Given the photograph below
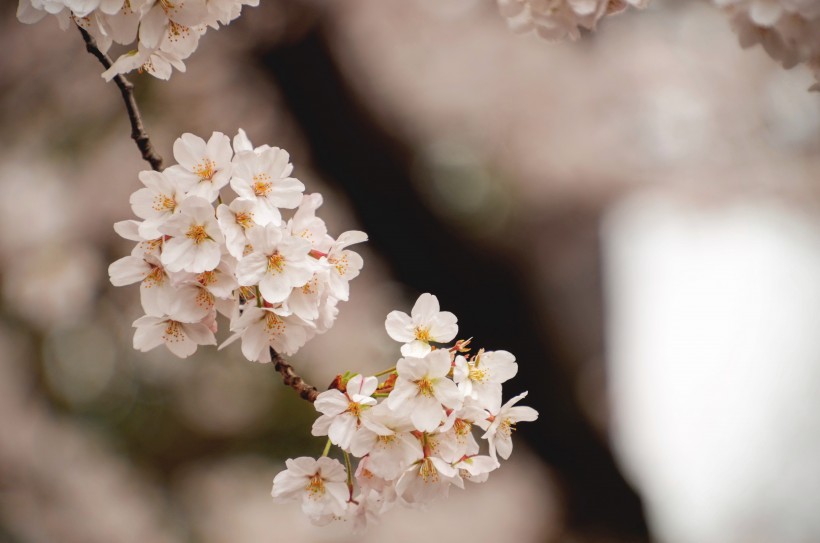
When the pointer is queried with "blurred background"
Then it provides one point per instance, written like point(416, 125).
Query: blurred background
point(632, 215)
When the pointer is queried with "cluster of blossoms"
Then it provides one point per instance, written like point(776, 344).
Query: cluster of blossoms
point(561, 19)
point(277, 280)
point(166, 32)
point(789, 30)
point(412, 432)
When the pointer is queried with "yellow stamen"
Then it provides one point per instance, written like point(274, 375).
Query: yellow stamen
point(163, 202)
point(197, 233)
point(205, 169)
point(425, 386)
point(428, 472)
point(276, 263)
point(316, 487)
point(422, 334)
point(244, 219)
point(262, 184)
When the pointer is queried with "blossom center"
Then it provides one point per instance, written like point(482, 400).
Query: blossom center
point(384, 440)
point(173, 332)
point(155, 277)
point(206, 278)
point(205, 169)
point(262, 184)
point(355, 409)
point(507, 427)
point(276, 263)
point(476, 374)
point(274, 324)
point(197, 233)
point(422, 333)
point(462, 427)
point(176, 32)
point(425, 386)
point(428, 472)
point(340, 263)
point(316, 487)
point(244, 219)
point(311, 287)
point(164, 203)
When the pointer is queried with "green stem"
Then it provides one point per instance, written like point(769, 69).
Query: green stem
point(258, 297)
point(349, 467)
point(385, 372)
point(327, 447)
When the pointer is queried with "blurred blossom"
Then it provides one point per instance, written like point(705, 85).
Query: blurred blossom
point(224, 502)
point(54, 284)
point(460, 188)
point(36, 209)
point(791, 115)
point(224, 396)
point(80, 363)
point(713, 312)
point(60, 482)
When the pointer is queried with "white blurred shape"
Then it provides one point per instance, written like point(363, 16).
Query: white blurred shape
point(79, 364)
point(35, 209)
point(54, 284)
point(714, 359)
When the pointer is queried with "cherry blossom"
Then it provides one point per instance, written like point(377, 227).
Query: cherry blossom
point(181, 338)
point(425, 324)
point(499, 431)
point(195, 244)
point(321, 485)
point(342, 412)
point(423, 390)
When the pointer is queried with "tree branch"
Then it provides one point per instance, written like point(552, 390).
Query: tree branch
point(127, 89)
point(292, 379)
point(289, 376)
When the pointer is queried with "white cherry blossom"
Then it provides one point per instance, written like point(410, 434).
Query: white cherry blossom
point(321, 486)
point(235, 220)
point(205, 166)
point(423, 390)
point(157, 201)
point(277, 264)
point(195, 244)
point(480, 378)
point(499, 430)
point(181, 338)
point(344, 264)
point(425, 324)
point(262, 328)
point(427, 480)
point(264, 178)
point(342, 412)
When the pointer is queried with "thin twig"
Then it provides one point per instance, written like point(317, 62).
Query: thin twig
point(292, 379)
point(127, 89)
point(289, 376)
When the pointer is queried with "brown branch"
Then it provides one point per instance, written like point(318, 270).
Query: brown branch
point(127, 89)
point(292, 379)
point(289, 376)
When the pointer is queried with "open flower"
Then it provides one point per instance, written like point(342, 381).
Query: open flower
point(196, 240)
point(278, 263)
point(320, 484)
point(342, 411)
point(181, 338)
point(423, 390)
point(500, 428)
point(205, 166)
point(425, 324)
point(480, 378)
point(263, 177)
